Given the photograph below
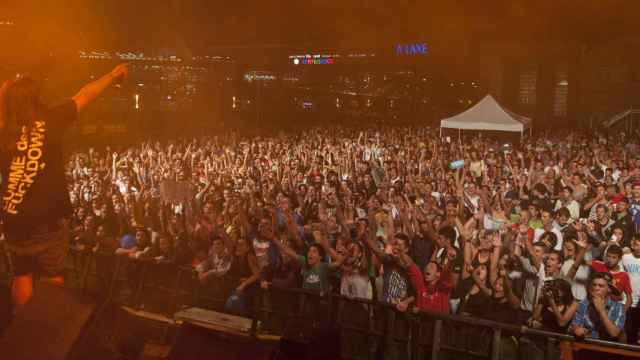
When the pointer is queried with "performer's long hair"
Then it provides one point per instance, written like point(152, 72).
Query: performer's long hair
point(20, 105)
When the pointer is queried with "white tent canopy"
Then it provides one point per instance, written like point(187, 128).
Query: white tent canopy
point(487, 115)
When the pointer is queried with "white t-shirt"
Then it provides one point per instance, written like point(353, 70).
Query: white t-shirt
point(631, 265)
point(579, 282)
point(122, 186)
point(356, 286)
point(261, 249)
point(367, 154)
point(573, 207)
point(476, 168)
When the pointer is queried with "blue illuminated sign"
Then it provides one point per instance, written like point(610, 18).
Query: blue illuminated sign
point(411, 49)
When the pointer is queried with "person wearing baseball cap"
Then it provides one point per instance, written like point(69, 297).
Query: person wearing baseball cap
point(599, 316)
point(612, 266)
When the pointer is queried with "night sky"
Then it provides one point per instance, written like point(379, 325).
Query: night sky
point(199, 24)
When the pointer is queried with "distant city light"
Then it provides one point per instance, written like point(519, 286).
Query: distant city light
point(360, 55)
point(259, 76)
point(141, 56)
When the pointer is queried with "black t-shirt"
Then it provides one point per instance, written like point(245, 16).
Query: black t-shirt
point(34, 185)
point(549, 321)
point(501, 311)
point(421, 250)
point(478, 304)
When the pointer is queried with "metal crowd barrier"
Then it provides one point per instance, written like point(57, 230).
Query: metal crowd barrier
point(360, 329)
point(427, 335)
point(136, 283)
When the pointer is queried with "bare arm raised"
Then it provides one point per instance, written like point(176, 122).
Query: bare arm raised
point(92, 90)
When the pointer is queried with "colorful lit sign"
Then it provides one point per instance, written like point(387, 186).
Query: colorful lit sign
point(411, 49)
point(297, 61)
point(315, 59)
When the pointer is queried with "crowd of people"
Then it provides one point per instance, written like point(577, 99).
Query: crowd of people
point(542, 233)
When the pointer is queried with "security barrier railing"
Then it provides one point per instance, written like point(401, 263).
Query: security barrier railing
point(357, 328)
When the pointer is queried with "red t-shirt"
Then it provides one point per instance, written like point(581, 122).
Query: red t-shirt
point(431, 298)
point(620, 278)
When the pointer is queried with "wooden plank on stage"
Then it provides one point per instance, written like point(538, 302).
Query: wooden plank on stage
point(215, 321)
point(149, 315)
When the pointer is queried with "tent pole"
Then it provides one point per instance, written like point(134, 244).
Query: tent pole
point(458, 135)
point(440, 132)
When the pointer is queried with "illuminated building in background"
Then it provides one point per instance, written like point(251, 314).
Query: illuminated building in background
point(165, 80)
point(360, 83)
point(561, 91)
point(527, 86)
point(138, 56)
